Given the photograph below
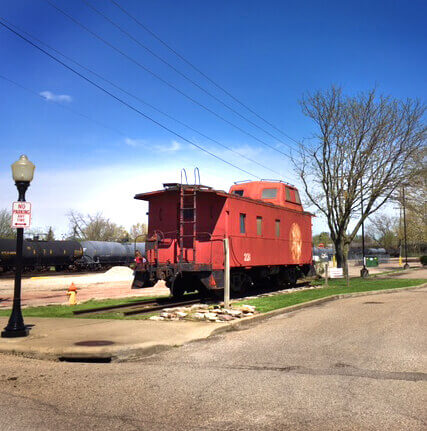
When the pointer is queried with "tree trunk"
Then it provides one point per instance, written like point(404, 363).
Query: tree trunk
point(341, 253)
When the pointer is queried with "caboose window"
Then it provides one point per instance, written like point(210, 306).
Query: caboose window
point(242, 223)
point(238, 192)
point(288, 194)
point(259, 225)
point(277, 228)
point(269, 194)
point(297, 198)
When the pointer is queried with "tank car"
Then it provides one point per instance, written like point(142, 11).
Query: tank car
point(269, 236)
point(98, 254)
point(39, 255)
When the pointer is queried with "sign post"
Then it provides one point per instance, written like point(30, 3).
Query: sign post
point(226, 274)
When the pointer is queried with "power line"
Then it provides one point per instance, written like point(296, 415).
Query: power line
point(162, 79)
point(140, 99)
point(200, 87)
point(11, 81)
point(124, 102)
point(198, 70)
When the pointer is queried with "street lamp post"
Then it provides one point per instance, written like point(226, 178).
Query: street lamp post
point(22, 172)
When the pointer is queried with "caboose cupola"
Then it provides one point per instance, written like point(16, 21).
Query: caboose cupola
point(271, 191)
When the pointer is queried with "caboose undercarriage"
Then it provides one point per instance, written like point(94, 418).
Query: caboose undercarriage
point(207, 281)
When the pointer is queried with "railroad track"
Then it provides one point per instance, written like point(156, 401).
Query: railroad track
point(142, 307)
point(152, 305)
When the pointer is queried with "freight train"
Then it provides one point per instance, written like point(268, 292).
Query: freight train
point(68, 255)
point(268, 231)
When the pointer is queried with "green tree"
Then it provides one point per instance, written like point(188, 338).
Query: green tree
point(50, 236)
point(6, 231)
point(138, 232)
point(322, 238)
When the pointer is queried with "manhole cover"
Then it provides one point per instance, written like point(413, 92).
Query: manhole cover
point(94, 343)
point(373, 302)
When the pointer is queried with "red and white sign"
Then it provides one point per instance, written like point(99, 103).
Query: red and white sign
point(21, 214)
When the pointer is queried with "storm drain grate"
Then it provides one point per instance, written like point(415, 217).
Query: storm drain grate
point(94, 343)
point(373, 302)
point(87, 360)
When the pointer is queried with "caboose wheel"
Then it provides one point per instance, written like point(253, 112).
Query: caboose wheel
point(240, 282)
point(178, 286)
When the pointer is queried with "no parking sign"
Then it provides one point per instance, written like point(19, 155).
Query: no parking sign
point(21, 214)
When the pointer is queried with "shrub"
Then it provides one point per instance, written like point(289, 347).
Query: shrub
point(423, 260)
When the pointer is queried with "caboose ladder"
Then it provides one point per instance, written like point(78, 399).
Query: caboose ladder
point(187, 216)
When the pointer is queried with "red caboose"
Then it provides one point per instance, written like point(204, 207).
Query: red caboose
point(269, 236)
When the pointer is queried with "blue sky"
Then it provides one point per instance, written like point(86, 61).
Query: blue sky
point(267, 54)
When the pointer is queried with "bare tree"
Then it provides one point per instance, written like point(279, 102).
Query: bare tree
point(95, 228)
point(362, 152)
point(6, 231)
point(384, 231)
point(138, 232)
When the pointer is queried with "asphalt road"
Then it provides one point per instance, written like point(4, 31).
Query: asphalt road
point(353, 364)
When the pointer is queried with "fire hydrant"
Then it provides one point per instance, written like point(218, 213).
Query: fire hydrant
point(72, 293)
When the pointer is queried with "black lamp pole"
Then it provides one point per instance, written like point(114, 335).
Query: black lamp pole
point(16, 327)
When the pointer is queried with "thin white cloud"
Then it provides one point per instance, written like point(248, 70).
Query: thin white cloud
point(172, 147)
point(134, 142)
point(52, 97)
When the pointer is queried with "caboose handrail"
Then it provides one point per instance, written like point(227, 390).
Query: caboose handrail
point(196, 175)
point(185, 174)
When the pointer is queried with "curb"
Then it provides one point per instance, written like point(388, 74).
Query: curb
point(247, 321)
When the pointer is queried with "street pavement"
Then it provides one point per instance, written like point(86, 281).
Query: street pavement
point(353, 364)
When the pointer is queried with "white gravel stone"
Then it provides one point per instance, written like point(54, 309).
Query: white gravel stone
point(234, 313)
point(181, 314)
point(247, 308)
point(157, 318)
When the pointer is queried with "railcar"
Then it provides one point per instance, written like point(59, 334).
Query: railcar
point(98, 254)
point(40, 254)
point(85, 255)
point(269, 236)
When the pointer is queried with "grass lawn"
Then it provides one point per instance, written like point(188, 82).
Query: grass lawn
point(67, 311)
point(336, 286)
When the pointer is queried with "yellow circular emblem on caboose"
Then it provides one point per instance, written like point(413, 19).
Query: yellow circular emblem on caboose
point(295, 242)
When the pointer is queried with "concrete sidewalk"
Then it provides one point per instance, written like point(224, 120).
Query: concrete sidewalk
point(101, 338)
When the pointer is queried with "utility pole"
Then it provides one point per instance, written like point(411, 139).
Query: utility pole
point(406, 266)
point(363, 272)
